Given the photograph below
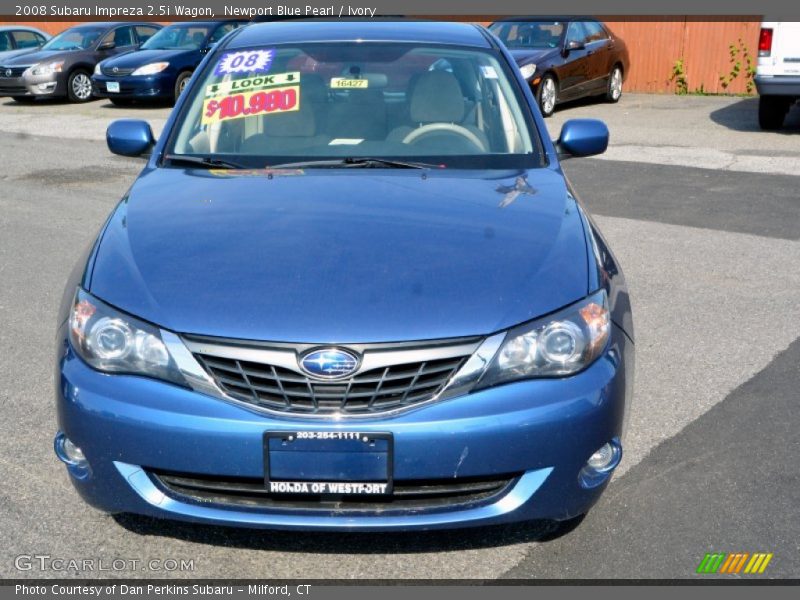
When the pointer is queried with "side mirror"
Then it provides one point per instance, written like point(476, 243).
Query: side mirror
point(209, 47)
point(582, 137)
point(573, 45)
point(106, 46)
point(129, 137)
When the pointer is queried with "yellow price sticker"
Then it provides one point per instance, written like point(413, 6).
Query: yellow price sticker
point(249, 104)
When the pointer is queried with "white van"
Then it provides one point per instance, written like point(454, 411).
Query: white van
point(778, 71)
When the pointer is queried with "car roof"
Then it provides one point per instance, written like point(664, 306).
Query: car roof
point(112, 24)
point(430, 32)
point(535, 18)
point(21, 28)
point(192, 23)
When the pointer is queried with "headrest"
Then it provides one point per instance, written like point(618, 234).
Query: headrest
point(436, 98)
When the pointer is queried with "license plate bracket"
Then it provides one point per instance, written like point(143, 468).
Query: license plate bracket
point(342, 463)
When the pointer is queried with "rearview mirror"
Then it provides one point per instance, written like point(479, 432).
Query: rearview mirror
point(129, 137)
point(582, 137)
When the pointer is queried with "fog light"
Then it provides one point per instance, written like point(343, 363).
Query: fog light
point(603, 458)
point(71, 455)
point(600, 464)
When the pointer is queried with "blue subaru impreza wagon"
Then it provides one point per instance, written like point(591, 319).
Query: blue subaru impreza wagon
point(351, 289)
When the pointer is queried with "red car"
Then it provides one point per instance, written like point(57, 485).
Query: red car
point(565, 58)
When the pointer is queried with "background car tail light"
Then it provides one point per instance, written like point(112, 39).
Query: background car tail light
point(765, 42)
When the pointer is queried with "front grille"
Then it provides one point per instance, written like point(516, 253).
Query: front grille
point(241, 492)
point(12, 89)
point(14, 72)
point(109, 72)
point(376, 390)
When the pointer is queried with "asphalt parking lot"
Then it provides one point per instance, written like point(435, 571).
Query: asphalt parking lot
point(703, 211)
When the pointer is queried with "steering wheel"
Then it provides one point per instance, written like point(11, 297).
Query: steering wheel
point(449, 127)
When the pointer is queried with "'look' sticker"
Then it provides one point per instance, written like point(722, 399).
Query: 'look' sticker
point(262, 102)
point(249, 61)
point(251, 84)
point(342, 83)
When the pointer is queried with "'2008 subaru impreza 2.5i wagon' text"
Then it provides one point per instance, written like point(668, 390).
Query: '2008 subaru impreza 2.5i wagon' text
point(351, 289)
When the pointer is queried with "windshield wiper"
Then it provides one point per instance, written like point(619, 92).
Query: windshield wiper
point(202, 161)
point(359, 163)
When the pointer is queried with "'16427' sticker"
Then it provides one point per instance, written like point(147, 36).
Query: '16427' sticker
point(250, 61)
point(263, 102)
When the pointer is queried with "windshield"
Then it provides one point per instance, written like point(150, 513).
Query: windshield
point(529, 34)
point(187, 37)
point(435, 104)
point(78, 38)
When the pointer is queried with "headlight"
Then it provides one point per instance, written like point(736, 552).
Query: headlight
point(527, 71)
point(47, 68)
point(114, 342)
point(151, 69)
point(561, 344)
point(97, 70)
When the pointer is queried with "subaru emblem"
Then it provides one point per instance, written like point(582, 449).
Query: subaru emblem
point(329, 363)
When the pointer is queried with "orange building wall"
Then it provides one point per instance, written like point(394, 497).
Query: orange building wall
point(654, 45)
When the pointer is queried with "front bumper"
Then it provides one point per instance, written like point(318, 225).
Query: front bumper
point(778, 85)
point(543, 431)
point(32, 86)
point(147, 87)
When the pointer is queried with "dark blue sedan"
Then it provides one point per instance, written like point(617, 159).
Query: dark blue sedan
point(162, 66)
point(351, 289)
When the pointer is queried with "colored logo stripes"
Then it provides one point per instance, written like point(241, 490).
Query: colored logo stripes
point(734, 563)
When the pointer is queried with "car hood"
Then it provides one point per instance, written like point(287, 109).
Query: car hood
point(40, 56)
point(337, 256)
point(138, 58)
point(5, 57)
point(525, 56)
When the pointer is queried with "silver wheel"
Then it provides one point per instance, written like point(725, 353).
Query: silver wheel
point(182, 85)
point(82, 86)
point(615, 84)
point(547, 98)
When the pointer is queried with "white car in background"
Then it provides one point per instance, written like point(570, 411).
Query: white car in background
point(16, 40)
point(778, 72)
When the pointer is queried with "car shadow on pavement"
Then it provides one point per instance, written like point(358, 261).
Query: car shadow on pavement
point(743, 116)
point(316, 542)
point(580, 103)
point(146, 105)
point(8, 101)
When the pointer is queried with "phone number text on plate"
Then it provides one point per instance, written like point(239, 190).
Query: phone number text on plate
point(250, 104)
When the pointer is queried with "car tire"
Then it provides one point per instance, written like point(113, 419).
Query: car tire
point(24, 99)
point(79, 86)
point(547, 95)
point(614, 90)
point(181, 82)
point(772, 111)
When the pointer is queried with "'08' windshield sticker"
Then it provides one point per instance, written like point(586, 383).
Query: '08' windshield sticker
point(249, 61)
point(249, 104)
